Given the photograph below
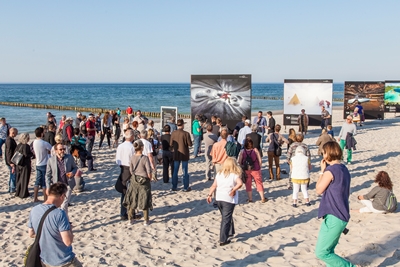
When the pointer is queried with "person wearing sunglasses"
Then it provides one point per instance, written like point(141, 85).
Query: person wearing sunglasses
point(61, 168)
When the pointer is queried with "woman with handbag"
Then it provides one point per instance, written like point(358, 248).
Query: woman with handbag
point(138, 195)
point(275, 142)
point(24, 167)
point(251, 155)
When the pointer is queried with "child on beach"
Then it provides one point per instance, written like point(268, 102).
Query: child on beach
point(330, 130)
point(300, 167)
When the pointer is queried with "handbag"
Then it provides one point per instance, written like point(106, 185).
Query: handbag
point(277, 147)
point(243, 176)
point(139, 179)
point(17, 157)
point(32, 255)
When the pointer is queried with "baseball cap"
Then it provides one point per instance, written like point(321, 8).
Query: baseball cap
point(247, 121)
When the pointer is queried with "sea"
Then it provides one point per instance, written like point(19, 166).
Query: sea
point(144, 96)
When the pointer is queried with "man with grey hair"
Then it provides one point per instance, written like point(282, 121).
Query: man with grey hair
point(172, 124)
point(11, 145)
point(243, 132)
point(148, 148)
point(125, 151)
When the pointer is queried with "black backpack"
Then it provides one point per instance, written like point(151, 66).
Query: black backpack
point(248, 163)
point(83, 129)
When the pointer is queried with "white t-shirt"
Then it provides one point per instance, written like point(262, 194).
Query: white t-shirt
point(147, 147)
point(124, 153)
point(42, 149)
point(224, 187)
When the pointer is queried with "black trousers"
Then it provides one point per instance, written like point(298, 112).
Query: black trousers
point(227, 227)
point(167, 162)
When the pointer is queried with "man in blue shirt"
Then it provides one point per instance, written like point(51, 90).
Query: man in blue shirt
point(262, 124)
point(56, 238)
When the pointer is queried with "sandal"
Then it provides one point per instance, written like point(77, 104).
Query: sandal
point(264, 200)
point(249, 201)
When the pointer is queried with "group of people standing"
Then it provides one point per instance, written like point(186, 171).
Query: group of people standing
point(234, 158)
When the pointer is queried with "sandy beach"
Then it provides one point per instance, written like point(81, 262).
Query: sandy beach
point(184, 229)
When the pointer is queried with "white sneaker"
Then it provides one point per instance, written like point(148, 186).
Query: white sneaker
point(146, 223)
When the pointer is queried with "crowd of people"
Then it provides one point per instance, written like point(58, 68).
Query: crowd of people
point(233, 158)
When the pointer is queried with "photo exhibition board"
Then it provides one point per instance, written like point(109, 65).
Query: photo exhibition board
point(225, 96)
point(392, 96)
point(369, 95)
point(309, 95)
point(166, 114)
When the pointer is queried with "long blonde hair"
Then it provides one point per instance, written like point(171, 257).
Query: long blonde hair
point(230, 166)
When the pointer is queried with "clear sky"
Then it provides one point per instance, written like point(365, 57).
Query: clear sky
point(167, 41)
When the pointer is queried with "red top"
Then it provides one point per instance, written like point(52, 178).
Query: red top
point(90, 124)
point(129, 110)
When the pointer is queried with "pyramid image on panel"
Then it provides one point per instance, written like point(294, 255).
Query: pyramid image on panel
point(294, 101)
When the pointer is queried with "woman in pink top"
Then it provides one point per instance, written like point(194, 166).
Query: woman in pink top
point(250, 160)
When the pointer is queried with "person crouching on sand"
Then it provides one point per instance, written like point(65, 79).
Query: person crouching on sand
point(226, 184)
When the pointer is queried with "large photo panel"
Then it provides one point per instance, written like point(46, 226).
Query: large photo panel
point(225, 96)
point(309, 95)
point(369, 95)
point(392, 96)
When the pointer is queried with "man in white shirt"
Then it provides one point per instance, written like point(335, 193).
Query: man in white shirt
point(147, 148)
point(42, 150)
point(125, 151)
point(243, 132)
point(141, 120)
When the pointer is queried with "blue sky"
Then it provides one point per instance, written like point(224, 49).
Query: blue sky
point(167, 41)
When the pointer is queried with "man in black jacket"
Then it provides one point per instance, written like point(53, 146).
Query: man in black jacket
point(271, 122)
point(11, 145)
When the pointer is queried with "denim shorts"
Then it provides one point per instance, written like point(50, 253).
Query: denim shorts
point(40, 176)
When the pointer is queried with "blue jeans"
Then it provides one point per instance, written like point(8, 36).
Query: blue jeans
point(262, 139)
point(197, 143)
point(2, 142)
point(12, 182)
point(41, 176)
point(185, 165)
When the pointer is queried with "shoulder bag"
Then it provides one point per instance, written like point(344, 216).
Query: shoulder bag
point(139, 179)
point(17, 157)
point(277, 147)
point(32, 256)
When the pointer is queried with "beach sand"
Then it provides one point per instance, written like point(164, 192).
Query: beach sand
point(185, 229)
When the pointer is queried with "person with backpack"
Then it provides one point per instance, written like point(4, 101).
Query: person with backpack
point(275, 140)
point(250, 160)
point(380, 195)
